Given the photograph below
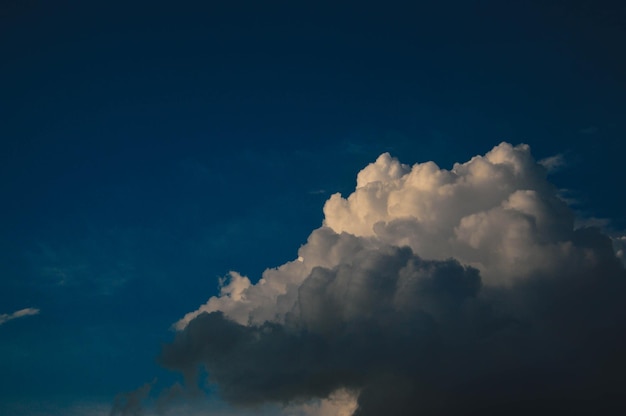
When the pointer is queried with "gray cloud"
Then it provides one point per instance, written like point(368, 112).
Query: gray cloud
point(553, 163)
point(345, 322)
point(416, 335)
point(425, 291)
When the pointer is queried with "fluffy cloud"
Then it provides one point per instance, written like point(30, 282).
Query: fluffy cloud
point(425, 290)
point(5, 317)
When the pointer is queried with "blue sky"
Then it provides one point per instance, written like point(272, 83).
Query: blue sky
point(148, 149)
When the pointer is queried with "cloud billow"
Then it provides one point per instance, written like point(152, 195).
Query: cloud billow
point(426, 291)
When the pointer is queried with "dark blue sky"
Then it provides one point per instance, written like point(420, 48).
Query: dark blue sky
point(148, 149)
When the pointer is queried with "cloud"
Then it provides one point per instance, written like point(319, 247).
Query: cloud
point(18, 314)
point(619, 244)
point(131, 403)
point(553, 163)
point(425, 291)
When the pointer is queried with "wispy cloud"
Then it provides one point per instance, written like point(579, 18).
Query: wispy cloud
point(6, 317)
point(553, 163)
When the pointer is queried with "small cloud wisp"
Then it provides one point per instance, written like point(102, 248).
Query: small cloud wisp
point(6, 317)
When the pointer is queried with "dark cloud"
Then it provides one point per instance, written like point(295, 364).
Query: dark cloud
point(513, 311)
point(343, 331)
point(131, 403)
point(413, 335)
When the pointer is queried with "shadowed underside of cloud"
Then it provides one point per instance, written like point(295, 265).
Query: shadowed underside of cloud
point(426, 291)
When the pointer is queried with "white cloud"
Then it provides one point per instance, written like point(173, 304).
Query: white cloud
point(17, 314)
point(423, 290)
point(484, 212)
point(495, 212)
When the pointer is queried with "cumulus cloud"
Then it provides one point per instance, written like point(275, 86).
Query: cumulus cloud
point(425, 291)
point(5, 317)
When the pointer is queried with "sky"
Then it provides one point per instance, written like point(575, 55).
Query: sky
point(288, 207)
